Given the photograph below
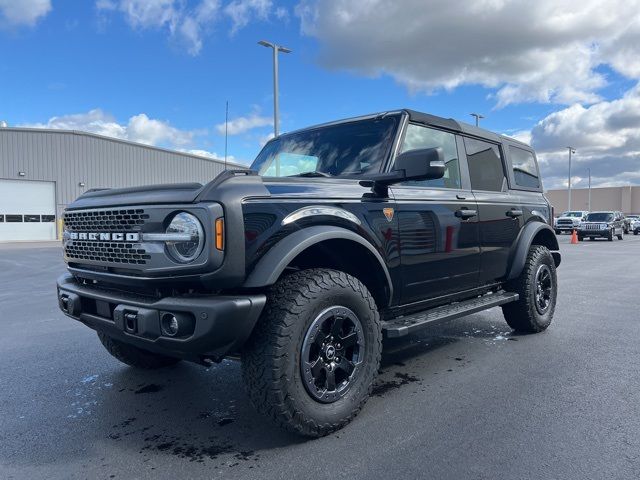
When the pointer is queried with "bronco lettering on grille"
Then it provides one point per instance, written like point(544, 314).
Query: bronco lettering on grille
point(105, 236)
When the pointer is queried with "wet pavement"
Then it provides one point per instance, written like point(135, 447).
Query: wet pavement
point(468, 399)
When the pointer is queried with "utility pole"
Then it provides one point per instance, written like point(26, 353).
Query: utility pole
point(589, 208)
point(226, 132)
point(477, 117)
point(571, 151)
point(276, 107)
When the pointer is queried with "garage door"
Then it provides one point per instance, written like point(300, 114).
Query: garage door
point(27, 210)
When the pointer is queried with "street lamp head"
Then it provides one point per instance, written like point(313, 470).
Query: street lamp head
point(264, 43)
point(284, 49)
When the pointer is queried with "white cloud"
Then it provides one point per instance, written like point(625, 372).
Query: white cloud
point(241, 12)
point(606, 136)
point(243, 124)
point(188, 22)
point(542, 51)
point(23, 12)
point(140, 128)
point(186, 26)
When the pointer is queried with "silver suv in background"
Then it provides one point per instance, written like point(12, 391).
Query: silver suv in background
point(606, 224)
point(568, 221)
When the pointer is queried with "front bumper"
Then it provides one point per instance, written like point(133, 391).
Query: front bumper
point(594, 233)
point(219, 324)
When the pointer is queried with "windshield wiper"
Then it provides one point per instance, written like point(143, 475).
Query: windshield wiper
point(314, 173)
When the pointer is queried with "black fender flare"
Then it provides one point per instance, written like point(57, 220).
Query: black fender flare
point(523, 243)
point(272, 264)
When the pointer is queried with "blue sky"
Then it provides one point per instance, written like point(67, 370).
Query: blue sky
point(160, 71)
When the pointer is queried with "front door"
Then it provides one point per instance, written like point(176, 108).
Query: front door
point(437, 223)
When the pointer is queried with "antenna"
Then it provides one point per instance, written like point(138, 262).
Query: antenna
point(226, 133)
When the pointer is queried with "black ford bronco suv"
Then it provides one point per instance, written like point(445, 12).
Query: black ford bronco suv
point(337, 235)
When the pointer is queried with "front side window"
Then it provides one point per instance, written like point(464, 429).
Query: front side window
point(418, 137)
point(525, 172)
point(345, 149)
point(485, 165)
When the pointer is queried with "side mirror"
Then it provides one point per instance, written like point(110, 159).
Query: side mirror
point(420, 164)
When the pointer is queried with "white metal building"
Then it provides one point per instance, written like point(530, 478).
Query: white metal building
point(42, 171)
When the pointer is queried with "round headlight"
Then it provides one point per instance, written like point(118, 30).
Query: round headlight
point(187, 250)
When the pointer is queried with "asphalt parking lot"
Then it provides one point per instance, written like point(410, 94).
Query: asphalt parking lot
point(465, 400)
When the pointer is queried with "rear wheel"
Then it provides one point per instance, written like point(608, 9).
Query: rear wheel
point(311, 360)
point(133, 356)
point(537, 286)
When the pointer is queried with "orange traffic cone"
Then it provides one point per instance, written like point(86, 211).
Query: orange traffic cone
point(574, 238)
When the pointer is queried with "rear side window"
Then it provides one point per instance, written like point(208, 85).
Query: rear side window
point(525, 172)
point(485, 165)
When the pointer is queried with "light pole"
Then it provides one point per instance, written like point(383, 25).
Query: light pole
point(477, 117)
point(276, 49)
point(571, 150)
point(589, 204)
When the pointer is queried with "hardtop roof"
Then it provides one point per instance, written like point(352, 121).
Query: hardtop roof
point(427, 119)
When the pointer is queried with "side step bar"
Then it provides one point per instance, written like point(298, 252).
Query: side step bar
point(401, 326)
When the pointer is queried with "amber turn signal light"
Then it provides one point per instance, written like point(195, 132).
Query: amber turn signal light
point(220, 233)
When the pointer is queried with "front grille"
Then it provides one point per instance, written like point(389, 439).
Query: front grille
point(565, 222)
point(114, 221)
point(592, 226)
point(125, 253)
point(105, 220)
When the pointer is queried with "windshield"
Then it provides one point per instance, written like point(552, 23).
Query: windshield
point(633, 217)
point(353, 148)
point(572, 214)
point(600, 217)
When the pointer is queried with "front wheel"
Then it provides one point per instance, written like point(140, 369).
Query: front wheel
point(621, 235)
point(537, 286)
point(610, 235)
point(311, 361)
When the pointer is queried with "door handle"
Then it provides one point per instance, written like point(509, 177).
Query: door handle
point(465, 213)
point(514, 212)
point(461, 197)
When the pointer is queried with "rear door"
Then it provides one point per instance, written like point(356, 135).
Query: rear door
point(437, 223)
point(499, 211)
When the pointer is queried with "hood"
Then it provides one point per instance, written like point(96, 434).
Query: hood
point(152, 194)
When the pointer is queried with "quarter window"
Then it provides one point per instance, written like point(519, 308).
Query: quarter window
point(418, 137)
point(525, 172)
point(485, 165)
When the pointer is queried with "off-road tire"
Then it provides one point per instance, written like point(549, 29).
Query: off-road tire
point(610, 235)
point(271, 367)
point(133, 356)
point(523, 316)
